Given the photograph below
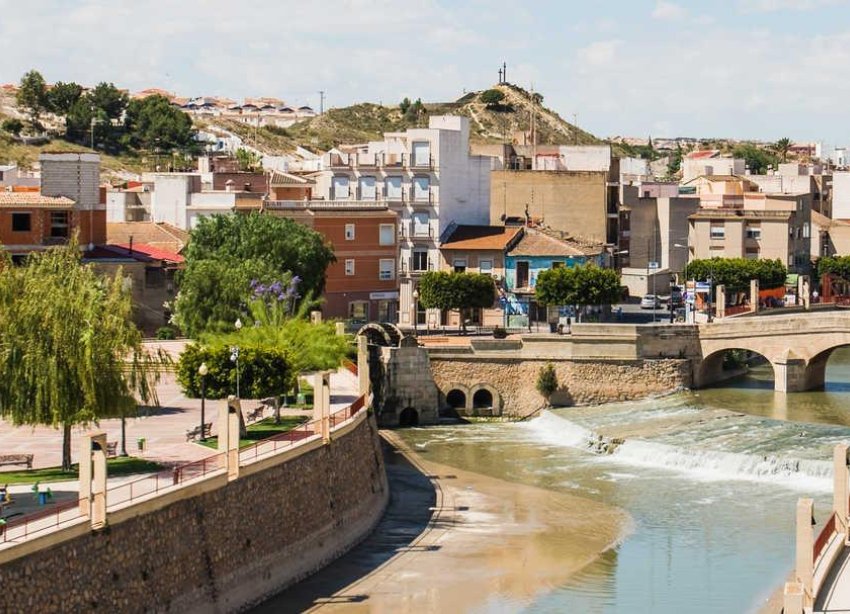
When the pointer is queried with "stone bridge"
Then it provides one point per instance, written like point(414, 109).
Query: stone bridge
point(797, 346)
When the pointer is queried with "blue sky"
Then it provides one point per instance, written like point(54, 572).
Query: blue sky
point(728, 68)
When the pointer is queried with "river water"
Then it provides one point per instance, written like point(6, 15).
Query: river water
point(710, 479)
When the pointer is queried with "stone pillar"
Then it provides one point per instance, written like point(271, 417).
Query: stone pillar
point(96, 458)
point(789, 373)
point(228, 435)
point(363, 365)
point(720, 303)
point(315, 317)
point(792, 601)
point(322, 403)
point(754, 295)
point(340, 329)
point(85, 474)
point(841, 488)
point(805, 547)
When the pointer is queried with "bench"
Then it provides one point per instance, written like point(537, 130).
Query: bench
point(255, 415)
point(111, 449)
point(195, 433)
point(16, 459)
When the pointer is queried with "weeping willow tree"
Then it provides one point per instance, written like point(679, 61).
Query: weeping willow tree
point(69, 351)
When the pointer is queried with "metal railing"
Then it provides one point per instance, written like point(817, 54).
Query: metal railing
point(824, 538)
point(22, 527)
point(326, 204)
point(346, 413)
point(272, 444)
point(163, 480)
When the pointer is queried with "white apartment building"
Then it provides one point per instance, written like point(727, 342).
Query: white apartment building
point(429, 178)
point(709, 163)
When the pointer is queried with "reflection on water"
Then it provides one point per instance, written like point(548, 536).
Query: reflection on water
point(711, 479)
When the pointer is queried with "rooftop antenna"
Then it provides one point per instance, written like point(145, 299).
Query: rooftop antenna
point(321, 102)
point(504, 72)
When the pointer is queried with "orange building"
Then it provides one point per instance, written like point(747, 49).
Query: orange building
point(362, 285)
point(30, 221)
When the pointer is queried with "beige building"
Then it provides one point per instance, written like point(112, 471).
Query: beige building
point(582, 204)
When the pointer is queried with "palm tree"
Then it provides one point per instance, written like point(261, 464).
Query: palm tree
point(781, 147)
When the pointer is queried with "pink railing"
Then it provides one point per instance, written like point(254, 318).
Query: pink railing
point(21, 527)
point(737, 309)
point(278, 442)
point(823, 538)
point(169, 478)
point(351, 366)
point(344, 414)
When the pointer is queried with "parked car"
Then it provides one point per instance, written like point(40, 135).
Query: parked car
point(650, 301)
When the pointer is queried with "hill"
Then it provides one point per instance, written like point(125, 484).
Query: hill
point(359, 123)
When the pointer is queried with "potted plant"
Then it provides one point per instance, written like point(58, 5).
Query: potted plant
point(499, 333)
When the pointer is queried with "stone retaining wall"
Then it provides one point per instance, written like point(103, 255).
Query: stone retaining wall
point(583, 382)
point(220, 551)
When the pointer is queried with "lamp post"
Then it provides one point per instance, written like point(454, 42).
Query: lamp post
point(416, 312)
point(672, 285)
point(234, 355)
point(202, 371)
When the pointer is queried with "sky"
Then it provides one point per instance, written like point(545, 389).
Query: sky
point(759, 69)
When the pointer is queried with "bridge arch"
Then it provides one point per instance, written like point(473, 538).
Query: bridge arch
point(815, 373)
point(457, 397)
point(726, 363)
point(384, 334)
point(485, 400)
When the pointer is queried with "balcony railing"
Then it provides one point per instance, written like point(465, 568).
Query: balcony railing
point(325, 204)
point(377, 160)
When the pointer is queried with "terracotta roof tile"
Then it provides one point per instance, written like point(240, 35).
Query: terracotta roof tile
point(535, 243)
point(480, 237)
point(34, 199)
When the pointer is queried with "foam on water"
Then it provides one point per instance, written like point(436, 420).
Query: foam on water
point(695, 462)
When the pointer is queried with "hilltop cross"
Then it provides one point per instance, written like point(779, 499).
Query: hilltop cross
point(504, 72)
point(500, 75)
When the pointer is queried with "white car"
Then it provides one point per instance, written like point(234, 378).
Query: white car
point(650, 301)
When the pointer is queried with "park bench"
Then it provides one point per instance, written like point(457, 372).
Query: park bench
point(255, 414)
point(195, 433)
point(111, 448)
point(16, 459)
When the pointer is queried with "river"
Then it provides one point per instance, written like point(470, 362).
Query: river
point(709, 478)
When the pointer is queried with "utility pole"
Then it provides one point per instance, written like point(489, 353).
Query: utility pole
point(321, 102)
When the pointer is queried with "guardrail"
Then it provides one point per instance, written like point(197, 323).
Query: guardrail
point(272, 444)
point(824, 538)
point(349, 412)
point(22, 527)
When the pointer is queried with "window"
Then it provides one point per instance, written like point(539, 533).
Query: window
point(421, 225)
point(485, 266)
point(349, 232)
point(394, 188)
point(522, 274)
point(420, 260)
point(367, 188)
point(806, 231)
point(754, 232)
point(387, 234)
point(459, 265)
point(421, 188)
point(752, 253)
point(358, 310)
point(21, 222)
point(59, 224)
point(717, 231)
point(386, 269)
point(557, 265)
point(349, 267)
point(339, 187)
point(421, 153)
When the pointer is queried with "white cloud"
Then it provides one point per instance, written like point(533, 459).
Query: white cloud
point(599, 53)
point(668, 11)
point(771, 6)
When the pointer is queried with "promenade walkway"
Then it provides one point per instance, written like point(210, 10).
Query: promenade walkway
point(834, 596)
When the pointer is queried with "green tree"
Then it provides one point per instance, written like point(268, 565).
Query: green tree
point(78, 121)
point(757, 159)
point(69, 351)
point(491, 97)
point(735, 273)
point(227, 252)
point(32, 96)
point(578, 286)
point(461, 291)
point(12, 126)
point(249, 161)
point(837, 266)
point(404, 105)
point(109, 99)
point(547, 382)
point(62, 97)
point(153, 122)
point(781, 147)
point(675, 163)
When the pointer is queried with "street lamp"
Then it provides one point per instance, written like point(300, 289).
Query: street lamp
point(202, 371)
point(234, 355)
point(416, 312)
point(672, 285)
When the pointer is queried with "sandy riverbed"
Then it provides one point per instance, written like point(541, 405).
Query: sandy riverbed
point(488, 542)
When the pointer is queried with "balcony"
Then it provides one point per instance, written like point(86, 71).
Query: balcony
point(342, 204)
